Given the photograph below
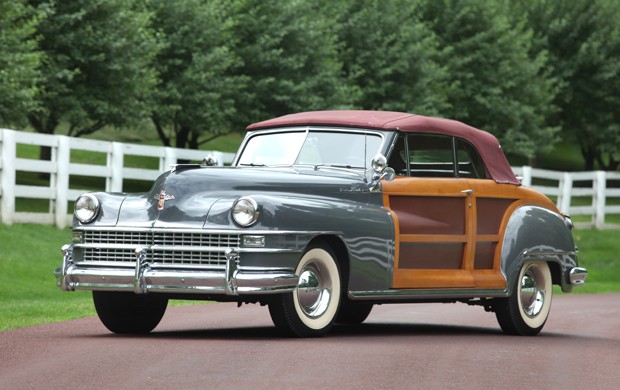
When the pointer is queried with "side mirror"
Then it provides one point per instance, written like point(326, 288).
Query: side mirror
point(388, 174)
point(381, 171)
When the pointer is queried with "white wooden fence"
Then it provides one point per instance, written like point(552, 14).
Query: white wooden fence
point(61, 168)
point(601, 199)
point(590, 188)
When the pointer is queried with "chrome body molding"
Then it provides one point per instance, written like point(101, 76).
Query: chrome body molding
point(422, 294)
point(143, 278)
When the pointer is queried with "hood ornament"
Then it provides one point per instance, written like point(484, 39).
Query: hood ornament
point(162, 198)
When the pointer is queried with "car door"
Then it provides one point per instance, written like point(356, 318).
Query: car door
point(433, 215)
point(491, 203)
point(449, 215)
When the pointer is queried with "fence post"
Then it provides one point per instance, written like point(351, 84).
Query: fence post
point(598, 201)
point(170, 158)
point(7, 202)
point(526, 172)
point(63, 158)
point(566, 186)
point(116, 165)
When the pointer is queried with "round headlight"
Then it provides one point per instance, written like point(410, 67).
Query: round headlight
point(86, 208)
point(245, 211)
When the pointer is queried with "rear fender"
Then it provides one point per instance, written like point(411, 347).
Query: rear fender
point(536, 233)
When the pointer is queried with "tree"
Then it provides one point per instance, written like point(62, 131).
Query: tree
point(19, 60)
point(583, 39)
point(289, 51)
point(197, 84)
point(97, 68)
point(391, 57)
point(499, 81)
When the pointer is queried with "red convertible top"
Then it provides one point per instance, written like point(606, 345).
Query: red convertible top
point(486, 144)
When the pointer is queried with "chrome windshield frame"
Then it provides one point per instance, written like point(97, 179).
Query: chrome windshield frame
point(307, 130)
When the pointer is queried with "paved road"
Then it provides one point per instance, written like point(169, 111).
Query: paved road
point(424, 346)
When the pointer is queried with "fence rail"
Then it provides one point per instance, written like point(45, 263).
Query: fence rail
point(60, 169)
point(589, 187)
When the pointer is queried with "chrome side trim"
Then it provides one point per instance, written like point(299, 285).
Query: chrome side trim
point(404, 295)
point(577, 276)
point(204, 231)
point(534, 255)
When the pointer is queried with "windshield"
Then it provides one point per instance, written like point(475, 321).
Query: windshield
point(318, 148)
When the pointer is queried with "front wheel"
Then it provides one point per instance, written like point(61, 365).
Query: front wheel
point(527, 309)
point(310, 310)
point(123, 312)
point(353, 313)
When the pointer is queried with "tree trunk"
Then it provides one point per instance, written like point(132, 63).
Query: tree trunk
point(611, 165)
point(182, 137)
point(160, 129)
point(193, 140)
point(182, 140)
point(589, 156)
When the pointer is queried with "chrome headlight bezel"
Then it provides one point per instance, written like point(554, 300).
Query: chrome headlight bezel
point(87, 208)
point(245, 211)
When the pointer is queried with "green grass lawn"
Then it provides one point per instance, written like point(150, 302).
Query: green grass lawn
point(28, 296)
point(30, 253)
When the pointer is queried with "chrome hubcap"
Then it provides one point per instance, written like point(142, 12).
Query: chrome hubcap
point(313, 291)
point(533, 291)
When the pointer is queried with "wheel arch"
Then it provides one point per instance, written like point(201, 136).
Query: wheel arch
point(535, 233)
point(340, 250)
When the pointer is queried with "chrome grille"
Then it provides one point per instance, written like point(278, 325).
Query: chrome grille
point(109, 254)
point(163, 247)
point(118, 237)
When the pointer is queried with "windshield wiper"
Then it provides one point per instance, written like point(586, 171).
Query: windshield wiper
point(317, 166)
point(252, 165)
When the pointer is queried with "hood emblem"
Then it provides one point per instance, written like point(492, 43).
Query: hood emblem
point(162, 198)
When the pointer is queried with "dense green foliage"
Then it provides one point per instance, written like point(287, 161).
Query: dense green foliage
point(98, 65)
point(582, 38)
point(390, 58)
point(30, 253)
point(19, 60)
point(498, 82)
point(196, 70)
point(532, 72)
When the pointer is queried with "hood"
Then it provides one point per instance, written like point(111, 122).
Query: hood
point(192, 197)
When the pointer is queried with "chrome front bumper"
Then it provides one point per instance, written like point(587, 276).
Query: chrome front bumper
point(143, 278)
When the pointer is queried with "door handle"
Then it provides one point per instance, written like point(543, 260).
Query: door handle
point(468, 192)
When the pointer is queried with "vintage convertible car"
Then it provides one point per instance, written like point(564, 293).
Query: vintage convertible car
point(321, 216)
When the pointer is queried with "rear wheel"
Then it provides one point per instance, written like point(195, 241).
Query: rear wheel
point(526, 311)
point(310, 310)
point(123, 312)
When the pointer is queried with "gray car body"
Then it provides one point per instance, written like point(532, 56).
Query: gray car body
point(298, 205)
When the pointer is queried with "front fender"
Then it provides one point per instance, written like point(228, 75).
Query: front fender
point(357, 220)
point(536, 233)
